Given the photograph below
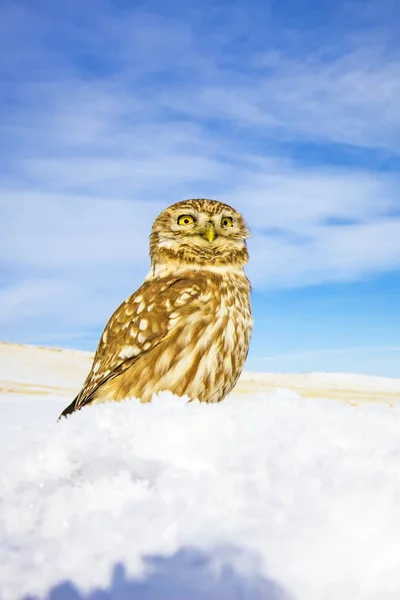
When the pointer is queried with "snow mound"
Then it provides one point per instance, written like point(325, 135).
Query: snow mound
point(269, 496)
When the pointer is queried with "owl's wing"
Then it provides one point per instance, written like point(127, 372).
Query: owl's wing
point(141, 322)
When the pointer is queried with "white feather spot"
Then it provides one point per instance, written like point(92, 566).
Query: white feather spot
point(140, 307)
point(143, 324)
point(205, 297)
point(129, 351)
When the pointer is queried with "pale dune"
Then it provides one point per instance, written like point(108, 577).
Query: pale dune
point(38, 370)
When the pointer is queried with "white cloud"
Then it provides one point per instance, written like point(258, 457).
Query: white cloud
point(56, 232)
point(330, 254)
point(374, 360)
point(87, 254)
point(349, 98)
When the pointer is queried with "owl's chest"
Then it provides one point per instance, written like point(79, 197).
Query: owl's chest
point(233, 300)
point(234, 316)
point(208, 347)
point(222, 346)
point(227, 323)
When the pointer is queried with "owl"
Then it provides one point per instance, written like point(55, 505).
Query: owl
point(187, 328)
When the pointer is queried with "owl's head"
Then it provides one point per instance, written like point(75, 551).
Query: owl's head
point(200, 231)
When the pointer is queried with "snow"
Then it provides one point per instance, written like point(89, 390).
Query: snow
point(267, 496)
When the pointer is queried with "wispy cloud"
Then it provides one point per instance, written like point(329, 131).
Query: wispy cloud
point(375, 360)
point(347, 99)
point(110, 114)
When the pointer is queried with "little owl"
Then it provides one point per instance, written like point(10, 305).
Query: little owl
point(187, 328)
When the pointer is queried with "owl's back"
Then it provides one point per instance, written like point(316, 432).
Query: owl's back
point(205, 353)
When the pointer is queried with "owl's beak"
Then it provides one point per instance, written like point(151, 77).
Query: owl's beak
point(209, 232)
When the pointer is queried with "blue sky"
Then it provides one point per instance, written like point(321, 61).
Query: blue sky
point(112, 110)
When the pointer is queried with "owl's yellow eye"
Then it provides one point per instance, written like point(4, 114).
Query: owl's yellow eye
point(186, 220)
point(227, 222)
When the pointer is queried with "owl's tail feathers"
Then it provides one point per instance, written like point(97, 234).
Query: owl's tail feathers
point(70, 409)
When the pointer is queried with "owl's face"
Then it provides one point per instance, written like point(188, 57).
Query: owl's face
point(200, 231)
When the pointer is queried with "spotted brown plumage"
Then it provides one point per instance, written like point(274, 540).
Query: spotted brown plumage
point(187, 328)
